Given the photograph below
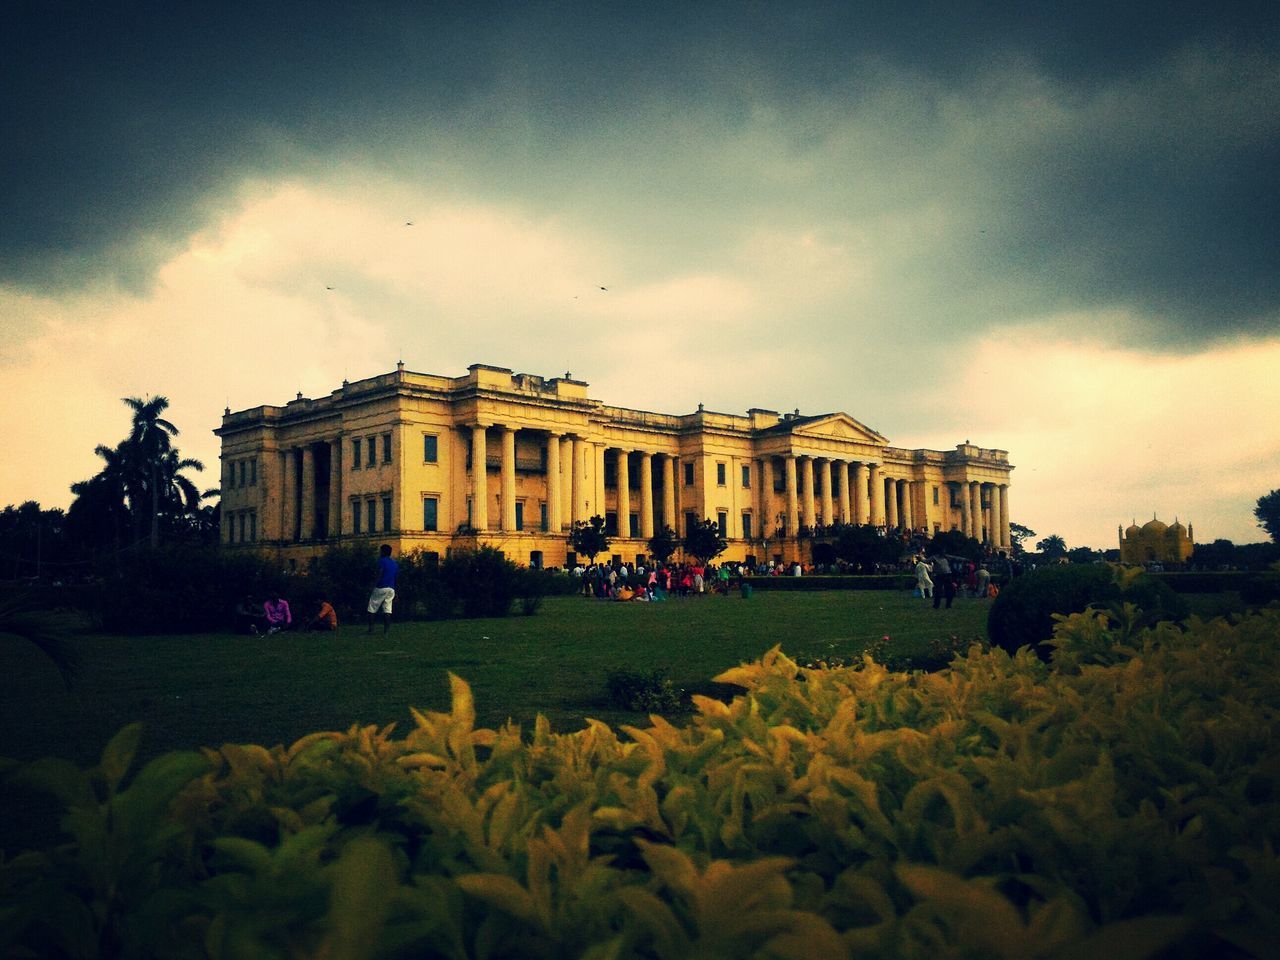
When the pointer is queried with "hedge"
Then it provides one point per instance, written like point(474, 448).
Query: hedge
point(1121, 802)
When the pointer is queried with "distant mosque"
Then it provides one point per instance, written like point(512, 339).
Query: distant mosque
point(1154, 542)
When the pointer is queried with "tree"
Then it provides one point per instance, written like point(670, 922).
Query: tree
point(954, 543)
point(863, 546)
point(148, 447)
point(1268, 513)
point(1083, 555)
point(663, 544)
point(588, 537)
point(1017, 534)
point(703, 540)
point(1052, 546)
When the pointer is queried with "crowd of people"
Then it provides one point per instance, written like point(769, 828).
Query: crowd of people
point(941, 578)
point(658, 582)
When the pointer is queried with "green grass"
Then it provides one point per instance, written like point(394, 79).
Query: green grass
point(211, 689)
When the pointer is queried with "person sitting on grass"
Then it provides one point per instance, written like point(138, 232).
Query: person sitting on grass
point(326, 617)
point(248, 616)
point(277, 615)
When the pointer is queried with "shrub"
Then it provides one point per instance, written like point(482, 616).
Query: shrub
point(483, 581)
point(1022, 615)
point(652, 692)
point(1001, 808)
point(1261, 589)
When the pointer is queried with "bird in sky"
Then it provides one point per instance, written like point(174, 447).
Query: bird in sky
point(328, 288)
point(605, 289)
point(408, 223)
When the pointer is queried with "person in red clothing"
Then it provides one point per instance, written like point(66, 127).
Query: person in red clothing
point(326, 618)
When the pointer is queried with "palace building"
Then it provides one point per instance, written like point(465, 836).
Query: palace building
point(432, 463)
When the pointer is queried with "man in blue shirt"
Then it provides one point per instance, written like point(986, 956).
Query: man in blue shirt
point(384, 589)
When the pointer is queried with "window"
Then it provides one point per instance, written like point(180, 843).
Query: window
point(935, 496)
point(746, 476)
point(386, 448)
point(519, 515)
point(610, 473)
point(720, 471)
point(782, 524)
point(469, 521)
point(230, 523)
point(355, 517)
point(690, 521)
point(253, 526)
point(430, 514)
point(430, 448)
point(253, 473)
point(542, 519)
point(746, 526)
point(722, 521)
point(371, 514)
point(611, 524)
point(372, 448)
point(244, 521)
point(633, 525)
point(355, 456)
point(244, 473)
point(386, 513)
point(688, 474)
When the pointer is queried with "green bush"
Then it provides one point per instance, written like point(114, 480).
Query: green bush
point(652, 692)
point(1022, 614)
point(1122, 802)
point(483, 582)
point(1261, 589)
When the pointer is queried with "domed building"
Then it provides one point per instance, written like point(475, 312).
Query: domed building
point(1155, 542)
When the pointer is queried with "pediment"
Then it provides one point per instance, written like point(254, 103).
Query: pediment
point(839, 426)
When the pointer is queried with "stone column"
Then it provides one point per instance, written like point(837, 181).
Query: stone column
point(307, 528)
point(890, 502)
point(1006, 540)
point(335, 489)
point(579, 468)
point(994, 514)
point(568, 485)
point(599, 502)
point(875, 486)
point(479, 480)
point(646, 495)
point(861, 501)
point(508, 480)
point(555, 500)
point(828, 500)
point(793, 496)
point(975, 509)
point(908, 508)
point(966, 526)
point(842, 491)
point(623, 502)
point(669, 491)
point(288, 494)
point(807, 506)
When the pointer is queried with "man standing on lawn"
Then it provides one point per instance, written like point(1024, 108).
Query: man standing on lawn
point(384, 589)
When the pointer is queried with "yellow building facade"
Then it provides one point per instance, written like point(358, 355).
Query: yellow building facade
point(512, 460)
point(1156, 542)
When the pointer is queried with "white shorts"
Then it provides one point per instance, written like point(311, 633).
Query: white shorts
point(380, 599)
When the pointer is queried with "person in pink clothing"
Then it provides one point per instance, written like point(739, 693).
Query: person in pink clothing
point(277, 614)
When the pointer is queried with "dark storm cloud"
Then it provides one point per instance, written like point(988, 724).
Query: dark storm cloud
point(123, 126)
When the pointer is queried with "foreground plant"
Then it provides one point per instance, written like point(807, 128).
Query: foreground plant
point(1118, 802)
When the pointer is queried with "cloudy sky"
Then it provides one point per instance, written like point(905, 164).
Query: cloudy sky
point(1045, 227)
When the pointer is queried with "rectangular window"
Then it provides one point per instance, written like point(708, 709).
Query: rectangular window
point(633, 525)
point(688, 474)
point(720, 472)
point(386, 448)
point(229, 522)
point(355, 456)
point(430, 448)
point(430, 514)
point(690, 521)
point(244, 521)
point(253, 526)
point(611, 524)
point(782, 524)
point(542, 519)
point(935, 496)
point(722, 520)
point(372, 448)
point(746, 476)
point(386, 513)
point(469, 521)
point(253, 473)
point(746, 526)
point(371, 515)
point(610, 473)
point(244, 473)
point(355, 517)
point(519, 515)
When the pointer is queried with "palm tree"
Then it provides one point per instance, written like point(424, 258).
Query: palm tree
point(1052, 546)
point(148, 444)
